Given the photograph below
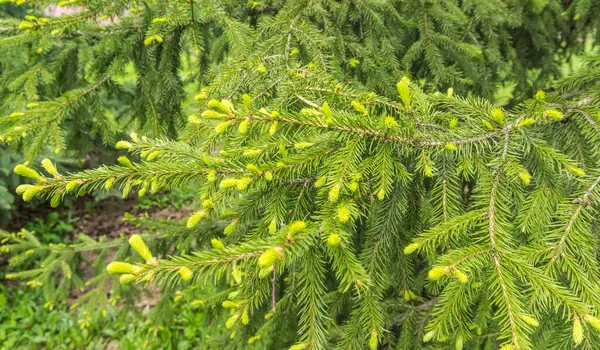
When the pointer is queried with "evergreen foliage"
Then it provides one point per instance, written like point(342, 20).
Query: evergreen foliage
point(341, 204)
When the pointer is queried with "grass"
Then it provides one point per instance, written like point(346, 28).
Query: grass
point(26, 324)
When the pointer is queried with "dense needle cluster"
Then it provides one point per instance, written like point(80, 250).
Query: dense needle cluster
point(343, 201)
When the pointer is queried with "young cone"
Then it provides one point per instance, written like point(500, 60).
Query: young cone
point(137, 243)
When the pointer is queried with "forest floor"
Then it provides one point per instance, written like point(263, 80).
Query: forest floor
point(103, 217)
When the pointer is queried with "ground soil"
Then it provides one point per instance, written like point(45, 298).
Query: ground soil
point(103, 218)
